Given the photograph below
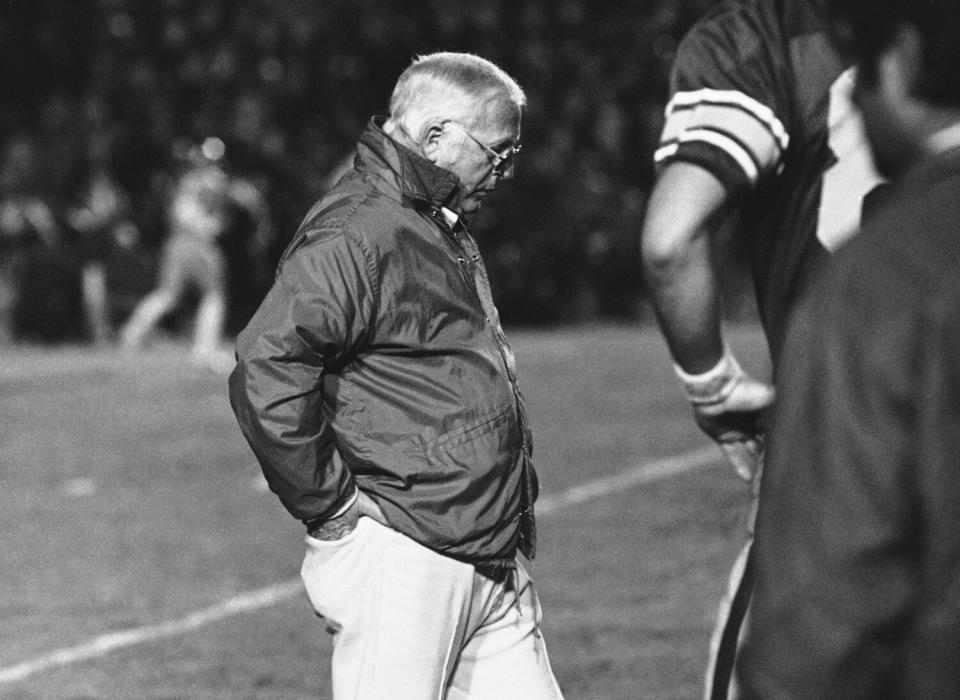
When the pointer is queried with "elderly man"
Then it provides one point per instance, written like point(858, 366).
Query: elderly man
point(378, 391)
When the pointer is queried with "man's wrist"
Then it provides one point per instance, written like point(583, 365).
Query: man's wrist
point(333, 528)
point(714, 385)
point(313, 523)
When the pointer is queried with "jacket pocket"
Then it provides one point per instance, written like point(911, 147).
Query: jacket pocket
point(481, 426)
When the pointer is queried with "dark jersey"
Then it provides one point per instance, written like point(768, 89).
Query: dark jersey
point(761, 99)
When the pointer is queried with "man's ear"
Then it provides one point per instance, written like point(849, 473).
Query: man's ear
point(901, 63)
point(430, 140)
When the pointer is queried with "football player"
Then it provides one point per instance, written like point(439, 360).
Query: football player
point(760, 133)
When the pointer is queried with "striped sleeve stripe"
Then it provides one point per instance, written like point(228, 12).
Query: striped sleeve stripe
point(751, 135)
point(722, 141)
point(754, 134)
point(737, 99)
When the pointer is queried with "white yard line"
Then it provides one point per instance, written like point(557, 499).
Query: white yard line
point(105, 643)
point(640, 474)
point(272, 595)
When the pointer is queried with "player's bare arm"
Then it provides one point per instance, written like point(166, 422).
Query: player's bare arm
point(687, 206)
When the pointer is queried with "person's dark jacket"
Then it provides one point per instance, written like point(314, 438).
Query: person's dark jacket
point(858, 531)
point(372, 364)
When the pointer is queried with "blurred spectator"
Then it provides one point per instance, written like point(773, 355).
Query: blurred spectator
point(30, 240)
point(26, 223)
point(101, 221)
point(205, 211)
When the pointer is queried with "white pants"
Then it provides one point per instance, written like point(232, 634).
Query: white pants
point(734, 614)
point(411, 624)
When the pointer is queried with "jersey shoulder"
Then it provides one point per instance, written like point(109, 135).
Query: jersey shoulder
point(739, 88)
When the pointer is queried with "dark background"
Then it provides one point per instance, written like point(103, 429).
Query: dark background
point(289, 84)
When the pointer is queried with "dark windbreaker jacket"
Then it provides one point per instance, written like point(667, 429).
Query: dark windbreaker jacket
point(375, 362)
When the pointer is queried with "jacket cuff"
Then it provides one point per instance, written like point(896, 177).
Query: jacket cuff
point(340, 506)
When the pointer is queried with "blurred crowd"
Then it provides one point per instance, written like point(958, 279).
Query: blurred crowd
point(107, 105)
point(79, 268)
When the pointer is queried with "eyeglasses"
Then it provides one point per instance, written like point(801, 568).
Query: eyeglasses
point(503, 162)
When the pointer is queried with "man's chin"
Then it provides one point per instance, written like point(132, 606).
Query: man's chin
point(470, 206)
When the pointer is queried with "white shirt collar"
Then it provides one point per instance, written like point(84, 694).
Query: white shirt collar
point(450, 217)
point(945, 139)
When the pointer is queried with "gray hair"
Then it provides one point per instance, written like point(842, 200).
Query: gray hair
point(447, 85)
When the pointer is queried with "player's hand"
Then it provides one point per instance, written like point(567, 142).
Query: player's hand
point(727, 405)
point(734, 424)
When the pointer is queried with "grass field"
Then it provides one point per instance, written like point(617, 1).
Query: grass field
point(131, 507)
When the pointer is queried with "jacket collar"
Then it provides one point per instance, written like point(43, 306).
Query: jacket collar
point(415, 177)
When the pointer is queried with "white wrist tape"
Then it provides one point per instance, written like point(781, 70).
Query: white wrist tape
point(714, 385)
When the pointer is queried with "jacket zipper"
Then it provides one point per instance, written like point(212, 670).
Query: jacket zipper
point(465, 260)
point(528, 542)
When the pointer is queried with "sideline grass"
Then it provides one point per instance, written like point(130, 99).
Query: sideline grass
point(130, 499)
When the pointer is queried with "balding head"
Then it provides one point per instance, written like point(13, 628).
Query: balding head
point(444, 86)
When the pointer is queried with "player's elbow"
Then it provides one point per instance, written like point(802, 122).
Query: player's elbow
point(687, 204)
